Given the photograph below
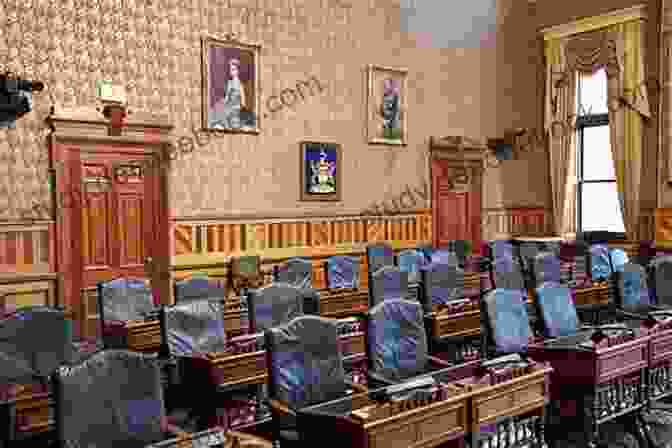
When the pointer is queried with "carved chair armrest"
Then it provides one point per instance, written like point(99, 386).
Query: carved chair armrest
point(438, 362)
point(243, 343)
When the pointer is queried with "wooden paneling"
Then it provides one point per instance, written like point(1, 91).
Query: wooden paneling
point(516, 221)
point(221, 237)
point(18, 290)
point(664, 227)
point(25, 247)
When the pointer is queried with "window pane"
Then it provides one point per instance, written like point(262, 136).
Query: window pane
point(592, 93)
point(600, 209)
point(598, 163)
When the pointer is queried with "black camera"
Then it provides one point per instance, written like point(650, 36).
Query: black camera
point(15, 98)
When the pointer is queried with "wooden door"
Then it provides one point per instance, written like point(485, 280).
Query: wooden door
point(112, 220)
point(456, 203)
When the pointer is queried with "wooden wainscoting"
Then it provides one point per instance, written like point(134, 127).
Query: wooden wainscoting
point(516, 221)
point(27, 247)
point(235, 236)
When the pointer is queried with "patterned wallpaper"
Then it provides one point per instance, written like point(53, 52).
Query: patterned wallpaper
point(153, 48)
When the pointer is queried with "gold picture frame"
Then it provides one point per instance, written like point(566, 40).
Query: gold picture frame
point(321, 171)
point(231, 97)
point(387, 106)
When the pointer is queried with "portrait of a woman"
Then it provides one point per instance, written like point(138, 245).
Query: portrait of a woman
point(230, 91)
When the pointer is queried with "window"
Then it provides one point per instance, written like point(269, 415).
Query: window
point(598, 207)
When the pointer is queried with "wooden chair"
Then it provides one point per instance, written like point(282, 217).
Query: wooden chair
point(296, 271)
point(378, 255)
point(582, 357)
point(210, 364)
point(305, 367)
point(396, 343)
point(128, 315)
point(198, 287)
point(452, 320)
point(343, 296)
point(245, 273)
point(114, 398)
point(388, 282)
point(412, 261)
point(34, 342)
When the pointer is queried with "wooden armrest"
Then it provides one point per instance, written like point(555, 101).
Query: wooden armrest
point(281, 407)
point(358, 388)
point(439, 362)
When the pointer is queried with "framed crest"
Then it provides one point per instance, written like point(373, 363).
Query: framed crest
point(230, 91)
point(386, 106)
point(320, 172)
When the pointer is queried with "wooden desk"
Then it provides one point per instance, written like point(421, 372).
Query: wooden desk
point(214, 437)
point(141, 336)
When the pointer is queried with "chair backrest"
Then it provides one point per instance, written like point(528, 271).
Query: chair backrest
point(498, 248)
point(411, 261)
point(618, 259)
point(506, 273)
point(342, 272)
point(546, 268)
point(557, 309)
point(37, 337)
point(304, 361)
point(599, 262)
point(427, 250)
point(442, 283)
point(632, 286)
point(112, 398)
point(661, 276)
point(379, 255)
point(396, 341)
point(460, 248)
point(193, 328)
point(445, 256)
point(297, 272)
point(198, 288)
point(124, 300)
point(388, 282)
point(273, 305)
point(507, 323)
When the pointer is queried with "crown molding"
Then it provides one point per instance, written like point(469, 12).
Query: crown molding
point(587, 24)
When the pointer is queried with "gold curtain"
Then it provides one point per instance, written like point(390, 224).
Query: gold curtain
point(559, 125)
point(620, 50)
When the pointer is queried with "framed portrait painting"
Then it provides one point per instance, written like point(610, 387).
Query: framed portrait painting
point(320, 171)
point(386, 105)
point(230, 85)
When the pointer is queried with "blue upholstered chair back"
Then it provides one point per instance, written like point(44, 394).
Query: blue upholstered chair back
point(427, 250)
point(618, 259)
point(442, 284)
point(198, 288)
point(125, 300)
point(411, 261)
point(297, 272)
point(396, 340)
point(343, 272)
point(444, 256)
point(274, 305)
point(507, 273)
point(557, 309)
point(600, 262)
point(305, 363)
point(661, 280)
point(546, 268)
point(499, 248)
point(507, 320)
point(632, 286)
point(194, 327)
point(112, 399)
point(388, 282)
point(379, 255)
point(37, 338)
